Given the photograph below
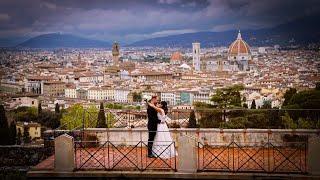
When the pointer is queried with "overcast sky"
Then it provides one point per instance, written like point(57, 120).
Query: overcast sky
point(131, 20)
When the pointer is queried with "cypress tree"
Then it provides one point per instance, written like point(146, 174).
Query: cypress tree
point(39, 108)
point(192, 120)
point(3, 118)
point(57, 108)
point(253, 104)
point(13, 133)
point(245, 105)
point(19, 137)
point(26, 135)
point(101, 118)
point(4, 128)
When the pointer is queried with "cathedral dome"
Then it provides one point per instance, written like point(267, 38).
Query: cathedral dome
point(176, 56)
point(239, 47)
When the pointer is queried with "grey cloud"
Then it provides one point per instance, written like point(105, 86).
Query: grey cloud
point(133, 20)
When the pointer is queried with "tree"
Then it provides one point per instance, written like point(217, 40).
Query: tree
point(288, 95)
point(25, 114)
point(266, 104)
point(228, 97)
point(57, 108)
point(50, 119)
point(137, 97)
point(235, 123)
point(211, 119)
point(245, 105)
point(101, 117)
point(26, 135)
point(39, 108)
point(257, 120)
point(75, 116)
point(309, 99)
point(288, 122)
point(13, 133)
point(200, 105)
point(4, 128)
point(317, 86)
point(192, 120)
point(19, 137)
point(111, 120)
point(3, 118)
point(253, 104)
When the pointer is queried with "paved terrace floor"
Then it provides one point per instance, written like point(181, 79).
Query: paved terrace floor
point(222, 159)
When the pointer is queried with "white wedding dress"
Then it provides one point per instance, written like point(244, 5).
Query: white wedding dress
point(163, 145)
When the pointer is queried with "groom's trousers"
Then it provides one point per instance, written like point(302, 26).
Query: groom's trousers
point(151, 137)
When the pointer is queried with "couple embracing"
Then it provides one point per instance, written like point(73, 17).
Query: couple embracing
point(160, 143)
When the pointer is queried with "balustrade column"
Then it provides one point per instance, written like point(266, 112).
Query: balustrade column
point(313, 155)
point(64, 154)
point(187, 155)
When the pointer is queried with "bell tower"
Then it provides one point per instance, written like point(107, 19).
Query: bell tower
point(196, 56)
point(115, 53)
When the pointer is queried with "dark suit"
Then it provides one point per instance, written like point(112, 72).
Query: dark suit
point(153, 122)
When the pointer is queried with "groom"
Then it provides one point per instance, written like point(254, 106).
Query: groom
point(153, 122)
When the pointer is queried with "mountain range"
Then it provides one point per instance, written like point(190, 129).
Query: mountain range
point(300, 31)
point(58, 40)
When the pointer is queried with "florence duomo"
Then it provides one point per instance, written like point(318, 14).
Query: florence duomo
point(236, 58)
point(239, 54)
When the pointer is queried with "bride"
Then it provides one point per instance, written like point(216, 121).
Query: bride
point(163, 145)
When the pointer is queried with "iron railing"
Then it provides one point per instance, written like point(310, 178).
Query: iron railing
point(205, 118)
point(135, 118)
point(263, 157)
point(107, 155)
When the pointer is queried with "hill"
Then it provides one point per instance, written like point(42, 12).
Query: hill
point(300, 31)
point(57, 40)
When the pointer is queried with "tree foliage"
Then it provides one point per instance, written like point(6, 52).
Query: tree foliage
point(266, 104)
point(253, 104)
point(26, 135)
point(192, 120)
point(210, 118)
point(228, 97)
point(288, 95)
point(137, 97)
point(57, 108)
point(19, 137)
point(4, 127)
point(76, 115)
point(39, 108)
point(49, 119)
point(13, 133)
point(25, 114)
point(101, 118)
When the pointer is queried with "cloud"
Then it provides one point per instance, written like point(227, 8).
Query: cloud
point(173, 32)
point(131, 20)
point(168, 1)
point(4, 17)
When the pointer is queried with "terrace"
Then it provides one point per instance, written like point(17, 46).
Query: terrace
point(200, 152)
